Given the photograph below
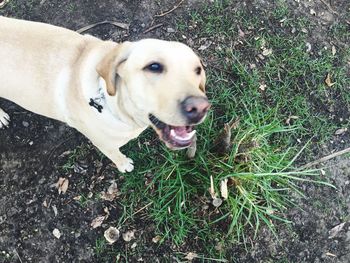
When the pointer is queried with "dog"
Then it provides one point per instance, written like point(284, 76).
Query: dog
point(110, 92)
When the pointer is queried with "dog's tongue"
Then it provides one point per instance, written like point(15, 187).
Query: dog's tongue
point(180, 131)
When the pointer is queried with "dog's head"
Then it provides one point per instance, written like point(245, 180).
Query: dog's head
point(164, 83)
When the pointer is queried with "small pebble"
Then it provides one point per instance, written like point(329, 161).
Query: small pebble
point(170, 30)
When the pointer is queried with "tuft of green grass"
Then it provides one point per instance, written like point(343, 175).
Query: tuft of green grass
point(100, 246)
point(261, 179)
point(76, 154)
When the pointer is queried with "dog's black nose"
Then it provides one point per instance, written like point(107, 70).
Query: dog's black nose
point(194, 108)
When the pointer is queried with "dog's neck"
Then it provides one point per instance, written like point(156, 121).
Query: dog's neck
point(115, 105)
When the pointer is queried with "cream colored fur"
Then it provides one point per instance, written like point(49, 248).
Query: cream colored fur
point(54, 72)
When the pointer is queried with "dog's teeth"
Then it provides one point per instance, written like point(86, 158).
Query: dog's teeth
point(172, 133)
point(186, 138)
point(191, 134)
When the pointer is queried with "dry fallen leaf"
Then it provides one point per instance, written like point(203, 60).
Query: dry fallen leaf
point(335, 230)
point(293, 117)
point(262, 87)
point(191, 256)
point(54, 208)
point(97, 221)
point(223, 188)
point(106, 196)
point(77, 198)
point(240, 32)
point(217, 202)
point(211, 189)
point(328, 81)
point(282, 20)
point(304, 30)
point(308, 47)
point(156, 239)
point(334, 51)
point(111, 235)
point(106, 211)
point(219, 246)
point(111, 193)
point(330, 254)
point(113, 188)
point(270, 211)
point(223, 144)
point(62, 185)
point(205, 46)
point(56, 233)
point(267, 52)
point(340, 131)
point(261, 57)
point(129, 235)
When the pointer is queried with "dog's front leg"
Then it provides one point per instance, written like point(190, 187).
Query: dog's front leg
point(111, 150)
point(123, 163)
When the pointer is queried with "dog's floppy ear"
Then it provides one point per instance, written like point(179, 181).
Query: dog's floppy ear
point(202, 83)
point(203, 79)
point(108, 67)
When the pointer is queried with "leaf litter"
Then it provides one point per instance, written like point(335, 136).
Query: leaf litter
point(62, 185)
point(112, 234)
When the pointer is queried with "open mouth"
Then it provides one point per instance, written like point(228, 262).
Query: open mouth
point(176, 137)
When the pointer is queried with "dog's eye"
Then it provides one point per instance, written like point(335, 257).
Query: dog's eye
point(155, 67)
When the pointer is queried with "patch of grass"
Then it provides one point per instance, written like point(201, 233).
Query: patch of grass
point(100, 246)
point(76, 154)
point(260, 176)
point(83, 200)
point(72, 7)
point(281, 10)
point(7, 257)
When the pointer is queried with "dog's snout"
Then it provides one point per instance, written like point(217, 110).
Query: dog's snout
point(194, 108)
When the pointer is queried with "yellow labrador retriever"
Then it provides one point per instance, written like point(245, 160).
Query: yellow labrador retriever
point(109, 92)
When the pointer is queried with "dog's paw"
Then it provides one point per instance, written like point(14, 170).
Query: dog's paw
point(4, 119)
point(125, 165)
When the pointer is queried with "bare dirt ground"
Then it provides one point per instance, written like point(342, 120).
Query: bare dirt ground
point(33, 149)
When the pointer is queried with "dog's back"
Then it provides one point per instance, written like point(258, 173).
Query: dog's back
point(30, 54)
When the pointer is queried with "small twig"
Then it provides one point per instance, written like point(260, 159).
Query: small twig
point(16, 253)
point(152, 28)
point(329, 7)
point(325, 158)
point(142, 208)
point(117, 24)
point(138, 211)
point(169, 11)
